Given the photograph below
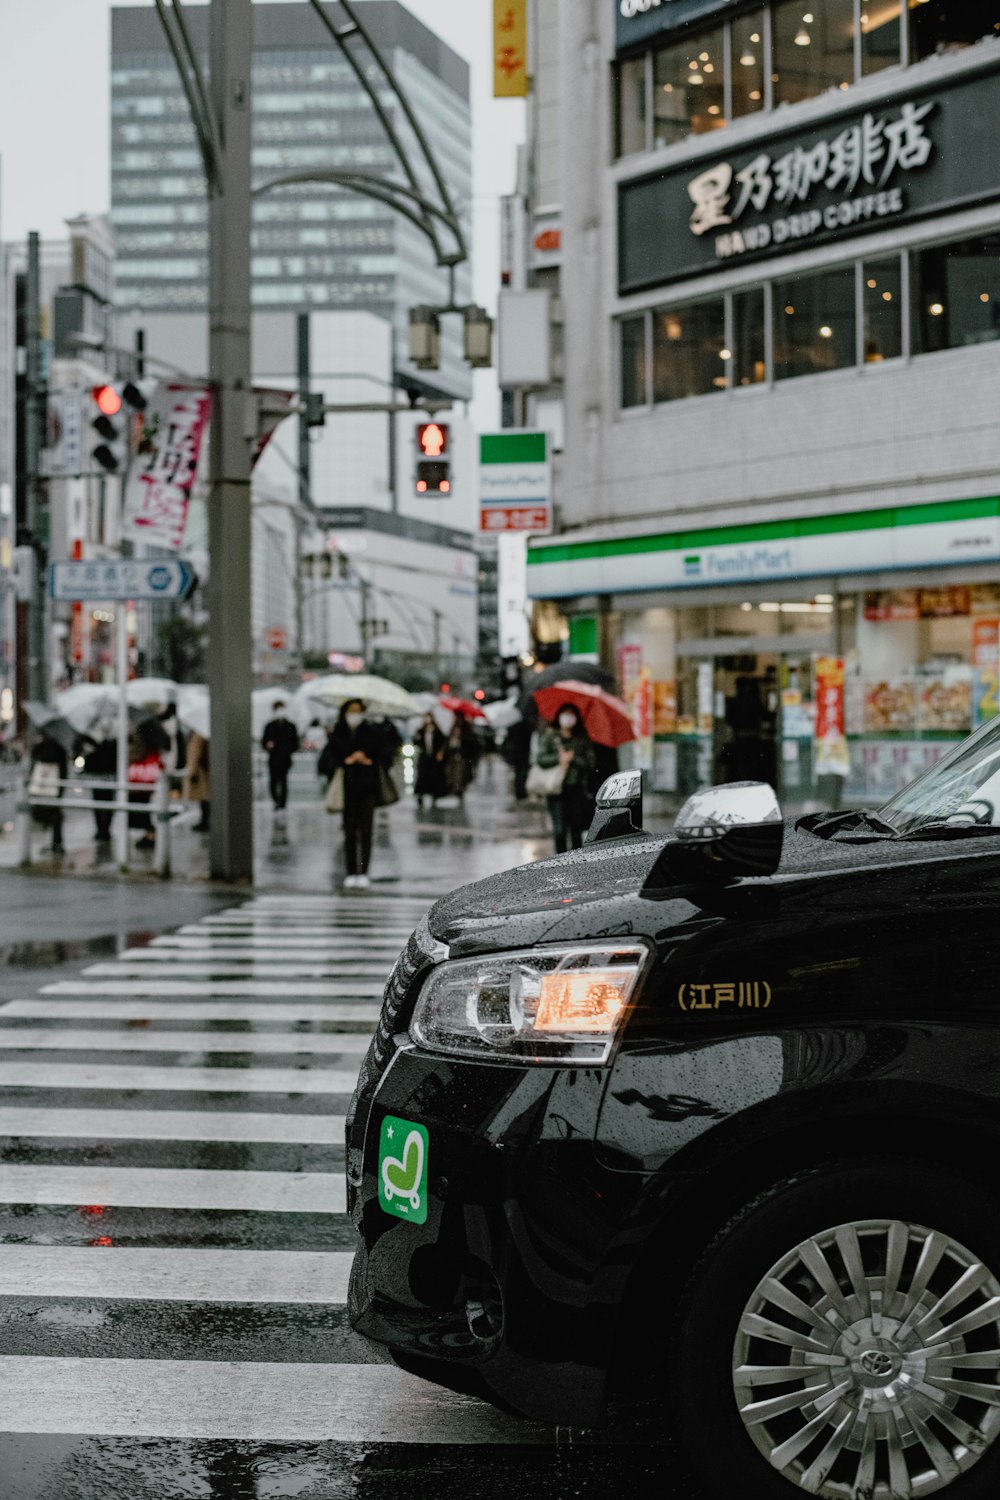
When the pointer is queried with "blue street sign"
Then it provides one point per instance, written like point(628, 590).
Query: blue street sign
point(127, 578)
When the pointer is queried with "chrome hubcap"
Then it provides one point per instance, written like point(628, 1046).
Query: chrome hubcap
point(867, 1362)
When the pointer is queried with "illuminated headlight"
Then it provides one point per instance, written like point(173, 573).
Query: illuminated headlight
point(555, 1005)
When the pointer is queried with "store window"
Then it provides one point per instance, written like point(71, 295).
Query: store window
point(938, 26)
point(881, 33)
point(813, 48)
point(882, 309)
point(749, 358)
point(633, 361)
point(956, 294)
point(814, 323)
point(690, 357)
point(689, 87)
point(747, 63)
point(632, 113)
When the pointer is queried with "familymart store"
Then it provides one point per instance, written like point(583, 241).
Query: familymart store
point(830, 655)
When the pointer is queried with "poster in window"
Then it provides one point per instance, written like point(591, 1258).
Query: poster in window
point(891, 706)
point(946, 702)
point(831, 756)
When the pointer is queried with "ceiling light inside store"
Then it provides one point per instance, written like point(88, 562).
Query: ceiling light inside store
point(725, 354)
point(802, 37)
point(695, 78)
point(823, 599)
point(808, 18)
point(755, 36)
point(755, 94)
point(709, 67)
point(789, 308)
point(886, 296)
point(703, 56)
point(748, 59)
point(936, 309)
point(984, 296)
point(873, 284)
point(713, 109)
point(746, 607)
point(826, 332)
point(668, 88)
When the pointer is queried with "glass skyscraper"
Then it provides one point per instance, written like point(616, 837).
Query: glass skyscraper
point(314, 246)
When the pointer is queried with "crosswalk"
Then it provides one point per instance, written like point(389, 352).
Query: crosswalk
point(174, 1251)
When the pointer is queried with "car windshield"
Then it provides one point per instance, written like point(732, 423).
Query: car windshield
point(963, 788)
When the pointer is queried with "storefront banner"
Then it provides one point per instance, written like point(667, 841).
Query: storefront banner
point(160, 481)
point(515, 482)
point(986, 643)
point(917, 155)
point(510, 49)
point(831, 756)
point(953, 532)
point(642, 721)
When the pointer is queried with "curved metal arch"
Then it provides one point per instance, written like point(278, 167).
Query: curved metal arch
point(394, 194)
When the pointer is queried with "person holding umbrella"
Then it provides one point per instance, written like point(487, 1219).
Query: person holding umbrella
point(567, 747)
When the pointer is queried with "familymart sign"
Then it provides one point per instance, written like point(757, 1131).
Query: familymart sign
point(910, 536)
point(515, 482)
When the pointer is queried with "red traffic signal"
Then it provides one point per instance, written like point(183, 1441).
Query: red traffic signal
point(432, 439)
point(107, 399)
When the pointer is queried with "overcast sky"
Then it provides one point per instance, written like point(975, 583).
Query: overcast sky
point(54, 116)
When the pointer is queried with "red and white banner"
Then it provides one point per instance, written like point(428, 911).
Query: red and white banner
point(158, 489)
point(831, 754)
point(533, 518)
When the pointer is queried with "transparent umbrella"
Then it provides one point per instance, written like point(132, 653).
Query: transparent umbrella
point(379, 694)
point(91, 707)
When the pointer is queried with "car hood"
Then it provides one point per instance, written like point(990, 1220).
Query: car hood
point(604, 889)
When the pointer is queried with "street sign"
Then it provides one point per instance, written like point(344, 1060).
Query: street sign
point(130, 578)
point(514, 482)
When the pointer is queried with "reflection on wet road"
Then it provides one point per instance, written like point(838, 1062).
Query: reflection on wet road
point(173, 1247)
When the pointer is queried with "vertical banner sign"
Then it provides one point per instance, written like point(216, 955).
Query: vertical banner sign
point(510, 49)
point(158, 490)
point(642, 720)
point(515, 483)
point(831, 756)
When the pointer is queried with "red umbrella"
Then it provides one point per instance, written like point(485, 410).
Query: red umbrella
point(461, 706)
point(606, 718)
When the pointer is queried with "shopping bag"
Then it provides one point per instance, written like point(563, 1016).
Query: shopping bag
point(334, 802)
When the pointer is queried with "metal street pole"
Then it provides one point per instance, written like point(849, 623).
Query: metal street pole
point(305, 476)
point(229, 521)
point(38, 675)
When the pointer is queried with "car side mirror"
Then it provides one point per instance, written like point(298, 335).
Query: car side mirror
point(722, 833)
point(619, 808)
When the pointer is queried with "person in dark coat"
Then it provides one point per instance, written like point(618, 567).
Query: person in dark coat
point(100, 763)
point(566, 743)
point(48, 753)
point(517, 753)
point(430, 744)
point(363, 752)
point(280, 740)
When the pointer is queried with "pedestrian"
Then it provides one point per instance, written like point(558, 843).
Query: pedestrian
point(280, 740)
point(197, 783)
point(517, 753)
point(431, 743)
point(147, 744)
point(49, 767)
point(100, 763)
point(355, 762)
point(566, 745)
point(461, 757)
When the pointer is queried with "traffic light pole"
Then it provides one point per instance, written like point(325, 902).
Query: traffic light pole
point(37, 677)
point(229, 518)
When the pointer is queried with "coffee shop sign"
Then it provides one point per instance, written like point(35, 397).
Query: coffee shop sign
point(867, 154)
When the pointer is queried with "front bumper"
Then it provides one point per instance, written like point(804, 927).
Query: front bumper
point(511, 1286)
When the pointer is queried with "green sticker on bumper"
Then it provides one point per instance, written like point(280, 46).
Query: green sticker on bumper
point(402, 1169)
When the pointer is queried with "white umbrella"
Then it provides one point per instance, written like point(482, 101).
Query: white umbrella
point(503, 714)
point(153, 693)
point(87, 705)
point(193, 708)
point(379, 694)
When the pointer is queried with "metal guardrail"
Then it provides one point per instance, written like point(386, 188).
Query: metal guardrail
point(158, 808)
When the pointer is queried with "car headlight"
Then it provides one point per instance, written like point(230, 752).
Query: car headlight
point(548, 1005)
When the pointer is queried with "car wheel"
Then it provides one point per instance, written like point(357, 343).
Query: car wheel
point(841, 1337)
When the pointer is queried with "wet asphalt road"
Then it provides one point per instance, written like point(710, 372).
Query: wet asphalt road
point(230, 1372)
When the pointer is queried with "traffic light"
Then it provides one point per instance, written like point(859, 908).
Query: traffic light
point(433, 462)
point(110, 425)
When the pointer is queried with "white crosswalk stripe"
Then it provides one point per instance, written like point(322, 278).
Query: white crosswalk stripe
point(187, 1189)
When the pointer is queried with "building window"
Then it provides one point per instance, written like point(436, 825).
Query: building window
point(748, 354)
point(632, 113)
point(814, 323)
point(689, 87)
point(956, 294)
point(690, 357)
point(813, 48)
point(949, 25)
point(881, 35)
point(882, 309)
point(747, 63)
point(633, 361)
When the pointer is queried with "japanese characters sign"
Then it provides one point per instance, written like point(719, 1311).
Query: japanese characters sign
point(637, 20)
point(831, 754)
point(723, 995)
point(510, 49)
point(898, 161)
point(160, 480)
point(121, 578)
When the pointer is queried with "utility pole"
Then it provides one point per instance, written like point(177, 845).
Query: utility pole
point(36, 524)
point(229, 519)
point(305, 476)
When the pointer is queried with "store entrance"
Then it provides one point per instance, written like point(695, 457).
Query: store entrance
point(746, 714)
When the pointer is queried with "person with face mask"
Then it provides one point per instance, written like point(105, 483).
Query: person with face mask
point(280, 740)
point(360, 752)
point(567, 744)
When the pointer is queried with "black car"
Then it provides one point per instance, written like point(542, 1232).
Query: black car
point(717, 1115)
